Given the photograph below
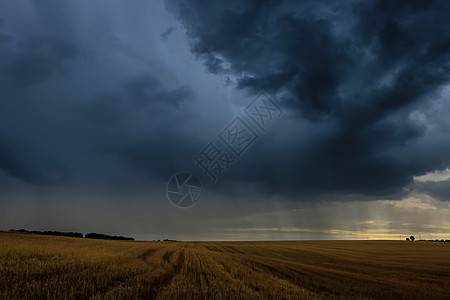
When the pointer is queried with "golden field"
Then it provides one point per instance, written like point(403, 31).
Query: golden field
point(47, 267)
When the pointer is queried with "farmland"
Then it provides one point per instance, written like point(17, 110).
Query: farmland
point(50, 267)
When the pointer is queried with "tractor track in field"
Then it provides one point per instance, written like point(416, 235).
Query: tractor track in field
point(153, 284)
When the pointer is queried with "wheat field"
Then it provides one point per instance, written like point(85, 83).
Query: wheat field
point(47, 267)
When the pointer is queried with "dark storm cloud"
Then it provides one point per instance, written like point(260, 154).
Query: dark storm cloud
point(19, 164)
point(111, 99)
point(26, 62)
point(33, 59)
point(165, 35)
point(436, 189)
point(155, 144)
point(131, 129)
point(12, 165)
point(144, 92)
point(38, 59)
point(61, 128)
point(360, 67)
point(4, 38)
point(101, 104)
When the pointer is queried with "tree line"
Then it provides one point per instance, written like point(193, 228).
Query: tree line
point(91, 235)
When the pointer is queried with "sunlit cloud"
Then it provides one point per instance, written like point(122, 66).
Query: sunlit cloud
point(422, 203)
point(434, 176)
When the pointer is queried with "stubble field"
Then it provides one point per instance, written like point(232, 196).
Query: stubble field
point(47, 267)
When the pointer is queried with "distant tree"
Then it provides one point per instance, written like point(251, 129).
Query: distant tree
point(56, 233)
point(101, 236)
point(412, 238)
point(407, 239)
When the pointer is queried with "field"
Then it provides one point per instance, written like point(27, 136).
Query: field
point(46, 267)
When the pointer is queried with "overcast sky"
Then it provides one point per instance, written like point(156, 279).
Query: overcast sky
point(102, 102)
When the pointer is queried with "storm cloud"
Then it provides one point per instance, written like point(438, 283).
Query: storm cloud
point(364, 70)
point(81, 106)
point(100, 105)
point(356, 81)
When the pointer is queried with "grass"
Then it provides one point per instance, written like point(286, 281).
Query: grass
point(47, 267)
